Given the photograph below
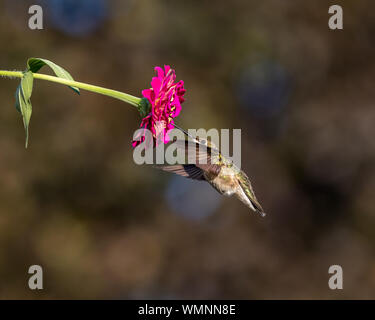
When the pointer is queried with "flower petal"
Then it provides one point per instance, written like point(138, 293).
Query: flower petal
point(165, 97)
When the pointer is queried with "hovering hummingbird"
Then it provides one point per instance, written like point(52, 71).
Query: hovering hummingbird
point(208, 164)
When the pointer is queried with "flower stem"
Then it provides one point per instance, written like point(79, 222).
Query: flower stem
point(134, 101)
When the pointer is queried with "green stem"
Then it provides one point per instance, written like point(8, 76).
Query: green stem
point(134, 101)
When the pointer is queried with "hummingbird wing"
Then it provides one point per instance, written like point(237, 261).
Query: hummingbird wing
point(194, 152)
point(198, 153)
point(205, 155)
point(202, 156)
point(185, 170)
point(199, 162)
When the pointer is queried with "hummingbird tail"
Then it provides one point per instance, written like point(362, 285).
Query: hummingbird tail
point(262, 213)
point(255, 206)
point(247, 196)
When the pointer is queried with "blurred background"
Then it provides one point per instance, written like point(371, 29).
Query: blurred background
point(103, 227)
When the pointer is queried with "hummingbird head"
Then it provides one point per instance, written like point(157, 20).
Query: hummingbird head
point(206, 143)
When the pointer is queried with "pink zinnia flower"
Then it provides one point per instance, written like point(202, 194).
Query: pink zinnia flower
point(165, 98)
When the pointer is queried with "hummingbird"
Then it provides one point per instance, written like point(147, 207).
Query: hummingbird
point(206, 163)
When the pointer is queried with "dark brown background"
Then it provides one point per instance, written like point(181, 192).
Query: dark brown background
point(102, 227)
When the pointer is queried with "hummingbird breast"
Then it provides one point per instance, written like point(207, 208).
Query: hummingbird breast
point(225, 183)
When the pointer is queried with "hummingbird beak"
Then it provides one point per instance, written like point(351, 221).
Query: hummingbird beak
point(186, 133)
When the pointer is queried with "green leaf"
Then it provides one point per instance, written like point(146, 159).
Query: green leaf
point(27, 85)
point(23, 102)
point(144, 107)
point(34, 64)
